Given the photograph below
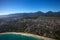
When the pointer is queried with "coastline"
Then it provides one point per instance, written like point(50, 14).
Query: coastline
point(28, 34)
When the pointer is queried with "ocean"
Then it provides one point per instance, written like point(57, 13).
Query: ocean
point(17, 37)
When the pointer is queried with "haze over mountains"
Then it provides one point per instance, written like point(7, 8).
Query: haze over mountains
point(38, 13)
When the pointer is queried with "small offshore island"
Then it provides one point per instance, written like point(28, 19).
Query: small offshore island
point(21, 36)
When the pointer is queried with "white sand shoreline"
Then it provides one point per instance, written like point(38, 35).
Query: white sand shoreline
point(27, 34)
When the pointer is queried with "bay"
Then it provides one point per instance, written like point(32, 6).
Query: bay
point(17, 37)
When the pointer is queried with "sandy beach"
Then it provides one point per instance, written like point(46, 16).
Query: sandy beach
point(27, 34)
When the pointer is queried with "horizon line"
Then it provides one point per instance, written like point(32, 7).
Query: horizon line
point(28, 12)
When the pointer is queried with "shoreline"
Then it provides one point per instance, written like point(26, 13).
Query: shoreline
point(28, 34)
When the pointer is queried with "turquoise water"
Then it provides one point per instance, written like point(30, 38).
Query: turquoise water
point(16, 37)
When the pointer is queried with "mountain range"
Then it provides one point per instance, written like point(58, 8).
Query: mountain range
point(38, 13)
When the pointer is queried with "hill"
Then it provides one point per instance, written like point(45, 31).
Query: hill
point(43, 24)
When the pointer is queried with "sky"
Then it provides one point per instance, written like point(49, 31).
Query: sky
point(23, 6)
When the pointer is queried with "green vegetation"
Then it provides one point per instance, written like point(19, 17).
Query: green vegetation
point(43, 25)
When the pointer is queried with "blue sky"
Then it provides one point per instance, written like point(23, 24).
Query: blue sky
point(21, 6)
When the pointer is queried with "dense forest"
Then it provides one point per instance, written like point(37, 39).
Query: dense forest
point(43, 24)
